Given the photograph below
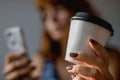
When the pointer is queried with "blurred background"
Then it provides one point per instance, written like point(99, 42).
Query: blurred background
point(24, 13)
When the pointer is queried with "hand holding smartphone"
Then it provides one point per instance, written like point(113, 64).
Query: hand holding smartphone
point(21, 62)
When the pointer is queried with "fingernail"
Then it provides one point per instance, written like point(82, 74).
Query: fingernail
point(69, 67)
point(73, 76)
point(73, 54)
point(93, 41)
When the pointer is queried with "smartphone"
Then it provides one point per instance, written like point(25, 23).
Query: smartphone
point(15, 39)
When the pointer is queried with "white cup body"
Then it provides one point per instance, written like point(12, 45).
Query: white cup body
point(79, 35)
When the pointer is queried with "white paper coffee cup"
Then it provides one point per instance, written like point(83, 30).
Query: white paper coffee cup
point(84, 27)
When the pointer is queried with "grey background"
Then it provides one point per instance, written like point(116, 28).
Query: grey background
point(23, 13)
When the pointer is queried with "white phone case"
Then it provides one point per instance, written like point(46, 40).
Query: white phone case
point(15, 39)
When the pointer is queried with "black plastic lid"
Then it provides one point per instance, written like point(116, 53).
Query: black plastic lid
point(93, 19)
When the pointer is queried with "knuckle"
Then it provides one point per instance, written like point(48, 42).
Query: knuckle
point(20, 63)
point(12, 76)
point(94, 72)
point(11, 55)
point(83, 57)
point(14, 65)
point(76, 69)
point(8, 68)
point(15, 56)
point(24, 62)
point(5, 71)
point(99, 61)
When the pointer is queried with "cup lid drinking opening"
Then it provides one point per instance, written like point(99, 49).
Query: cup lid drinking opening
point(93, 19)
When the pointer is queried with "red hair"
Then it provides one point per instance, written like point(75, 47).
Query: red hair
point(72, 5)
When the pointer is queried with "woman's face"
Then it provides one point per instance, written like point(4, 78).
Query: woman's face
point(56, 20)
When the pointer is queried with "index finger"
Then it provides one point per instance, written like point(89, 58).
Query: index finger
point(100, 50)
point(14, 56)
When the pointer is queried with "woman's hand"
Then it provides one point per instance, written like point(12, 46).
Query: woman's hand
point(91, 67)
point(17, 67)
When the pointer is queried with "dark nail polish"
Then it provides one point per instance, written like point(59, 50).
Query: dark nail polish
point(69, 67)
point(93, 41)
point(73, 76)
point(73, 54)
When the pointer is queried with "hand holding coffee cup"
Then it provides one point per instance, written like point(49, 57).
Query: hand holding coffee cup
point(94, 67)
point(84, 27)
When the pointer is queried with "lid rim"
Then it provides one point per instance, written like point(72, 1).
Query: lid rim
point(96, 20)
